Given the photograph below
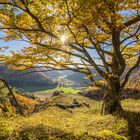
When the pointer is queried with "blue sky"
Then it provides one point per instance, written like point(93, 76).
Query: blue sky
point(13, 45)
point(18, 45)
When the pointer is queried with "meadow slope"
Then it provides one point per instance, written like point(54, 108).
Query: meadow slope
point(50, 122)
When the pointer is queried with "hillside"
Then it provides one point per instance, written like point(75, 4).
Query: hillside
point(8, 104)
point(50, 122)
point(30, 82)
point(80, 79)
point(66, 117)
point(134, 80)
point(38, 81)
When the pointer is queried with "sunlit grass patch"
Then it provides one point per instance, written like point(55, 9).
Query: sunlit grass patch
point(79, 123)
point(66, 90)
point(131, 105)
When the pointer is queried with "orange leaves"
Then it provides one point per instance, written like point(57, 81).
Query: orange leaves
point(3, 17)
point(26, 103)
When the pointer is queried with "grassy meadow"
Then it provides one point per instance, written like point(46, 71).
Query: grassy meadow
point(66, 90)
point(82, 123)
point(45, 120)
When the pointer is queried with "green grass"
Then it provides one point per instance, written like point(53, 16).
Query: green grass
point(66, 90)
point(81, 123)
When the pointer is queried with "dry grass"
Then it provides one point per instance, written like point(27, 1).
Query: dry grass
point(54, 123)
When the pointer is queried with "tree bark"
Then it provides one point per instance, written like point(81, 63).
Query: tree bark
point(111, 102)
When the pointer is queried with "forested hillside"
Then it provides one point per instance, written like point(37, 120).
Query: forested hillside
point(28, 81)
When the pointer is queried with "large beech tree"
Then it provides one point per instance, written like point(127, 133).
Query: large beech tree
point(79, 35)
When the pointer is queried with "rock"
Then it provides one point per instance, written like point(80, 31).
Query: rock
point(57, 93)
point(96, 95)
point(73, 105)
point(62, 106)
point(87, 105)
point(75, 101)
point(68, 106)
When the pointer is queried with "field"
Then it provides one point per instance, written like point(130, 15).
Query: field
point(82, 123)
point(48, 93)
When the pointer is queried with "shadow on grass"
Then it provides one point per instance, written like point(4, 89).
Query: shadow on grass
point(43, 132)
point(133, 119)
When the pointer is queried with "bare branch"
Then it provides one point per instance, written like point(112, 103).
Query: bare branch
point(130, 22)
point(132, 35)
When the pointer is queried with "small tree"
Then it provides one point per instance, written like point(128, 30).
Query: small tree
point(13, 100)
point(78, 35)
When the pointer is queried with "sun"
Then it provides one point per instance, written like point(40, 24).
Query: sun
point(63, 38)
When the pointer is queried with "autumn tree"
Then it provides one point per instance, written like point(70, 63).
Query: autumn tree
point(5, 84)
point(79, 35)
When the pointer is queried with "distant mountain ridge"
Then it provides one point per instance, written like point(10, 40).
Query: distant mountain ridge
point(40, 79)
point(30, 80)
point(36, 81)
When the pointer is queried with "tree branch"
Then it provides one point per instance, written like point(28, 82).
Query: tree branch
point(129, 72)
point(130, 22)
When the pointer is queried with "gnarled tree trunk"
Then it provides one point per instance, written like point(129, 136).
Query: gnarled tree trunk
point(111, 102)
